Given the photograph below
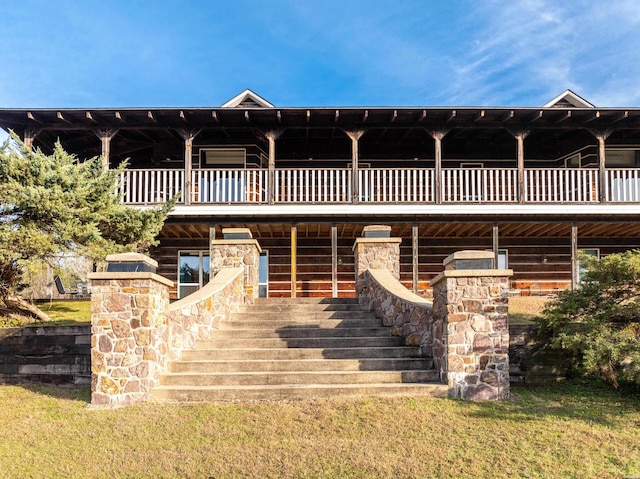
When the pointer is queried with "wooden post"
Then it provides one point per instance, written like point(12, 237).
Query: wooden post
point(188, 136)
point(414, 255)
point(355, 183)
point(334, 261)
point(105, 138)
point(575, 266)
point(294, 252)
point(520, 136)
point(494, 236)
point(437, 137)
point(601, 136)
point(28, 137)
point(272, 136)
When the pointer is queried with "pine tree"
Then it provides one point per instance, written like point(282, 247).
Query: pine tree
point(53, 204)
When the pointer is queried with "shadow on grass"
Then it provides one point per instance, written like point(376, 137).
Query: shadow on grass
point(58, 392)
point(590, 401)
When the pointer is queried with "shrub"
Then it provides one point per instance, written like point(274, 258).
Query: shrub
point(598, 324)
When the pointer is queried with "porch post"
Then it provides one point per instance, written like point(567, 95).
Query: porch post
point(105, 139)
point(495, 242)
point(437, 137)
point(520, 136)
point(334, 261)
point(294, 253)
point(28, 137)
point(355, 136)
point(601, 136)
point(272, 136)
point(575, 266)
point(414, 249)
point(188, 136)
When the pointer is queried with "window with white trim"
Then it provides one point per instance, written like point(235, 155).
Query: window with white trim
point(193, 271)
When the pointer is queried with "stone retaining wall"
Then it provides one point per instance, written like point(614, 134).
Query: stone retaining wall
point(406, 313)
point(197, 315)
point(135, 332)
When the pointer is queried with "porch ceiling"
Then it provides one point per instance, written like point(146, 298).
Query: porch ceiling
point(425, 230)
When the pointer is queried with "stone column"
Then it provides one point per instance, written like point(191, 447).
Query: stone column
point(129, 332)
point(471, 327)
point(376, 249)
point(238, 249)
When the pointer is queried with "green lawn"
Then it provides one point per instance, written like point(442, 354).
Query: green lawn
point(62, 313)
point(569, 430)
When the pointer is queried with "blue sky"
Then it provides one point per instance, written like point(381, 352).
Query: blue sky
point(120, 53)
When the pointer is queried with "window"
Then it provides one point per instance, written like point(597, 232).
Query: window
point(503, 259)
point(193, 271)
point(263, 275)
point(594, 252)
point(222, 157)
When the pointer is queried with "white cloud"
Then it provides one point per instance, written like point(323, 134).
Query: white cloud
point(533, 50)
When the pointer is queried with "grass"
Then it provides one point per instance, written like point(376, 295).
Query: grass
point(573, 429)
point(525, 308)
point(62, 313)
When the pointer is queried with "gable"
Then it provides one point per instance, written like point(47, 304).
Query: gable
point(247, 99)
point(568, 99)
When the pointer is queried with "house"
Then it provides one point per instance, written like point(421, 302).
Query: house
point(535, 185)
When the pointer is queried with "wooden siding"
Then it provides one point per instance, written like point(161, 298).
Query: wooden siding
point(539, 254)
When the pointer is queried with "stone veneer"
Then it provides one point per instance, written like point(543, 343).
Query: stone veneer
point(375, 253)
point(406, 313)
point(135, 332)
point(471, 332)
point(238, 253)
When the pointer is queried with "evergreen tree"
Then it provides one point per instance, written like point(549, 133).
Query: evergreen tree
point(53, 204)
point(598, 324)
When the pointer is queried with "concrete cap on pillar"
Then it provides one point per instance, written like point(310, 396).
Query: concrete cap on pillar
point(131, 262)
point(236, 233)
point(376, 231)
point(469, 259)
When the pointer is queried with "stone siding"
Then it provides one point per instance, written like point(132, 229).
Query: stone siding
point(471, 343)
point(200, 313)
point(407, 314)
point(375, 253)
point(135, 333)
point(236, 253)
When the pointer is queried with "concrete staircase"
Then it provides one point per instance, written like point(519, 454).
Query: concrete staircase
point(284, 349)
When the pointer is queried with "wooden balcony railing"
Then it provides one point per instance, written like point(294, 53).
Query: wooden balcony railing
point(312, 185)
point(380, 185)
point(561, 186)
point(392, 185)
point(479, 186)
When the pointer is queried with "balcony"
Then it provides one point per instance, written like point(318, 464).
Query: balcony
point(379, 186)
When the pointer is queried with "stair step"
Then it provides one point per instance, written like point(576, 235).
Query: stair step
point(303, 315)
point(297, 392)
point(330, 342)
point(294, 307)
point(236, 323)
point(300, 348)
point(257, 365)
point(300, 353)
point(289, 332)
point(297, 377)
point(261, 301)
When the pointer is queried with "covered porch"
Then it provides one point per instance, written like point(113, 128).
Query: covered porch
point(309, 258)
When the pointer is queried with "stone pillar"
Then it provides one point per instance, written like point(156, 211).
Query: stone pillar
point(237, 249)
point(129, 332)
point(375, 249)
point(471, 327)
